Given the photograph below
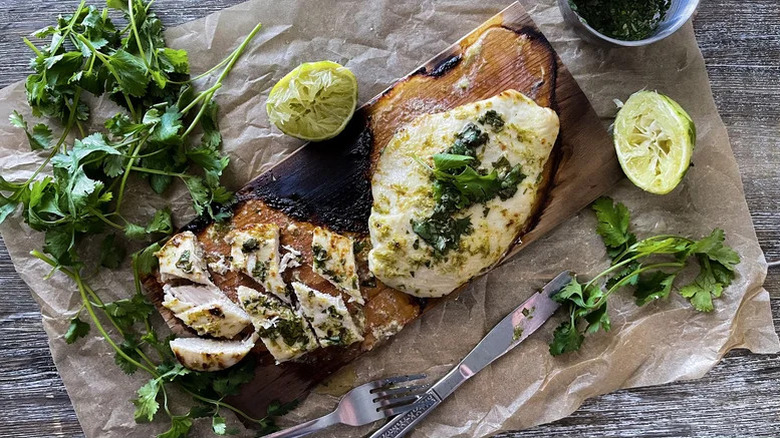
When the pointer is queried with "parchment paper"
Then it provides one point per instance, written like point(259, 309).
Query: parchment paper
point(384, 40)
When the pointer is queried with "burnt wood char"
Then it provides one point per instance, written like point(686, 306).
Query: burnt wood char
point(328, 184)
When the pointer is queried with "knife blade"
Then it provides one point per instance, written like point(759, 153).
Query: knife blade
point(507, 334)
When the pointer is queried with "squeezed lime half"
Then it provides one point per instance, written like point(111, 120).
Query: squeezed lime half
point(313, 102)
point(654, 140)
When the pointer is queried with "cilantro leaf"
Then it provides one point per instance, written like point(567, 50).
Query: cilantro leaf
point(117, 4)
point(168, 126)
point(111, 253)
point(146, 405)
point(476, 187)
point(128, 346)
point(127, 312)
point(566, 338)
point(451, 161)
point(174, 61)
point(59, 243)
point(161, 222)
point(275, 409)
point(212, 138)
point(135, 232)
point(76, 329)
point(278, 409)
point(655, 286)
point(704, 287)
point(613, 221)
point(180, 427)
point(202, 411)
point(145, 261)
point(41, 135)
point(131, 72)
point(571, 292)
point(17, 120)
point(626, 274)
point(713, 247)
point(231, 380)
point(598, 319)
point(218, 425)
point(6, 209)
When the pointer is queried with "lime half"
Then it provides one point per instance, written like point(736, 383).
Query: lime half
point(654, 140)
point(313, 102)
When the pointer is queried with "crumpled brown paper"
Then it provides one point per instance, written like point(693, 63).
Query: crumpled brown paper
point(382, 41)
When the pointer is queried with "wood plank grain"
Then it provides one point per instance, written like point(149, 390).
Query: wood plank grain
point(740, 40)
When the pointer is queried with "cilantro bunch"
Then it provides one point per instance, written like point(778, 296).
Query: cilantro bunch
point(649, 266)
point(163, 130)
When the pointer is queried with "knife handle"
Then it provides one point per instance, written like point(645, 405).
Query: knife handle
point(401, 425)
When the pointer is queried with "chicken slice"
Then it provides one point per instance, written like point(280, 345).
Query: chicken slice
point(201, 354)
point(284, 332)
point(254, 249)
point(328, 315)
point(182, 257)
point(206, 310)
point(334, 259)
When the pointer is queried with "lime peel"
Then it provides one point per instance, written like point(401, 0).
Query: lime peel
point(313, 102)
point(654, 141)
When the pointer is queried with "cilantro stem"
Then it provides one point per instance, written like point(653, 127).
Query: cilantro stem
point(610, 269)
point(238, 52)
point(159, 172)
point(199, 98)
point(233, 59)
point(623, 281)
point(220, 403)
point(75, 276)
point(32, 46)
point(119, 330)
point(134, 28)
point(636, 245)
point(69, 28)
point(105, 220)
point(55, 149)
point(126, 175)
point(113, 71)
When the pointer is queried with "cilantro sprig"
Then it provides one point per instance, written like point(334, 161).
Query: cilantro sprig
point(458, 183)
point(163, 130)
point(649, 266)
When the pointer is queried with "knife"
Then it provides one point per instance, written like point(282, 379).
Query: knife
point(512, 330)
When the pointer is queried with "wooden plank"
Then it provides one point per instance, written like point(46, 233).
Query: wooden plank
point(328, 183)
point(740, 40)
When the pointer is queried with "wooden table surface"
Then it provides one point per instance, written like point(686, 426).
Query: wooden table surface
point(739, 398)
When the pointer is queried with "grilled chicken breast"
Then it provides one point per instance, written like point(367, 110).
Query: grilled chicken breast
point(422, 246)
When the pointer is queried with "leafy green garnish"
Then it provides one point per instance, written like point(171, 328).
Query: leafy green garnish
point(492, 118)
point(40, 137)
point(650, 266)
point(459, 184)
point(76, 329)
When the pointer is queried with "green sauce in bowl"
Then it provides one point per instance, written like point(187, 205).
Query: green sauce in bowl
point(627, 20)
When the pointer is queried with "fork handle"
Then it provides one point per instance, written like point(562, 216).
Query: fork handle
point(307, 427)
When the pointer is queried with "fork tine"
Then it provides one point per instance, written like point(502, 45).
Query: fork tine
point(399, 391)
point(399, 410)
point(399, 379)
point(396, 402)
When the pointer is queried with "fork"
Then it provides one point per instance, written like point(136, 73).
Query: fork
point(365, 404)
